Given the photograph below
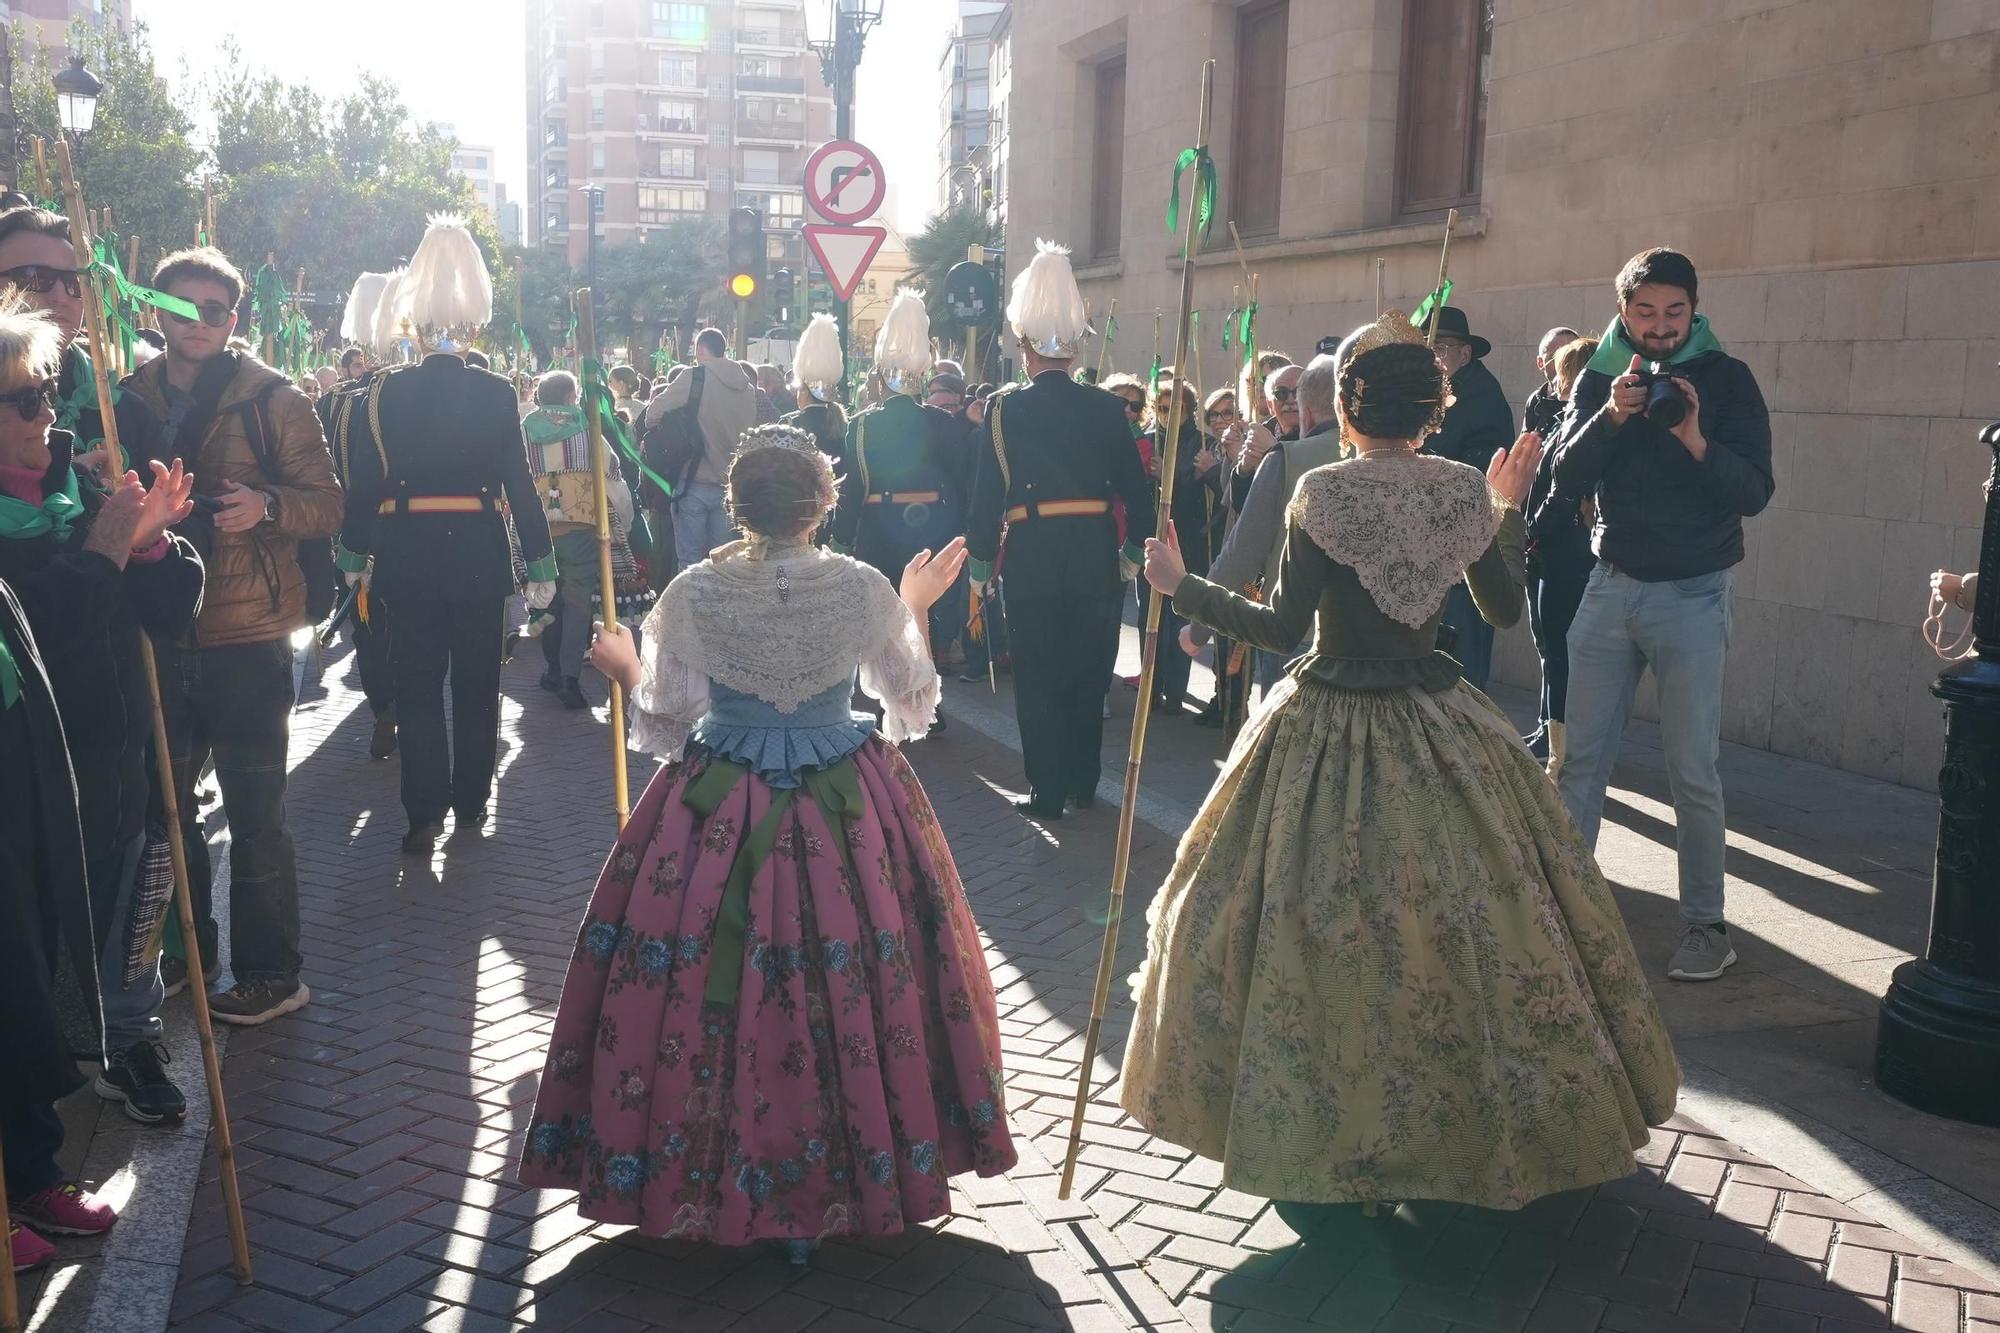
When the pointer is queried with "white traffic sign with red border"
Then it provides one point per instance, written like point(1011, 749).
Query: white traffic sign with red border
point(844, 253)
point(844, 181)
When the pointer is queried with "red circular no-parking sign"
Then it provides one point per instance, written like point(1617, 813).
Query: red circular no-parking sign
point(844, 181)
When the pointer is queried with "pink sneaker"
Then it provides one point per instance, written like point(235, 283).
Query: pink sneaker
point(30, 1250)
point(67, 1210)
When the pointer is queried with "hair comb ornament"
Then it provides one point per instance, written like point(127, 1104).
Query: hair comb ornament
point(774, 436)
point(1392, 327)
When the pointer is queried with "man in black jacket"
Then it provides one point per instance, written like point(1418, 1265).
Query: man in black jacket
point(1672, 438)
point(1479, 424)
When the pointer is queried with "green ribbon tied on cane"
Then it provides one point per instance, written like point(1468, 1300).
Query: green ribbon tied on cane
point(597, 394)
point(1437, 300)
point(663, 360)
point(837, 792)
point(1246, 336)
point(1204, 194)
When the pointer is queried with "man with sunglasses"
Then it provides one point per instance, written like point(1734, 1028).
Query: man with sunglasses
point(38, 261)
point(255, 447)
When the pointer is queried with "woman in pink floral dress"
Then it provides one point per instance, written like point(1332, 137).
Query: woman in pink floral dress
point(778, 1023)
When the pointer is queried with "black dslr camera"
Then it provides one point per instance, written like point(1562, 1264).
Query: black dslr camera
point(1665, 406)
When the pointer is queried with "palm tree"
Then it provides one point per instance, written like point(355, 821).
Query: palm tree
point(942, 243)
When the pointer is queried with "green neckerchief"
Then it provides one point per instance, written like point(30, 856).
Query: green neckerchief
point(553, 422)
point(19, 519)
point(1615, 351)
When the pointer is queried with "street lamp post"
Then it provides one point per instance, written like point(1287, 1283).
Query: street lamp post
point(839, 50)
point(1937, 1040)
point(593, 204)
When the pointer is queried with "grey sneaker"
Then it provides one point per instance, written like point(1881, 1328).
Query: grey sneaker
point(1705, 951)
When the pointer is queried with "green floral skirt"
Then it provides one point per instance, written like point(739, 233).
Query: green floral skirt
point(1386, 966)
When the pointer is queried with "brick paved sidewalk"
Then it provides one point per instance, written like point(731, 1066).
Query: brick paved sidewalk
point(379, 1129)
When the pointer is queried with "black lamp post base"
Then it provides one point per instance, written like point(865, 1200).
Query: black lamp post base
point(1937, 1044)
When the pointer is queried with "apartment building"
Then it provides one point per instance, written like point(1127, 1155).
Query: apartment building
point(674, 109)
point(964, 70)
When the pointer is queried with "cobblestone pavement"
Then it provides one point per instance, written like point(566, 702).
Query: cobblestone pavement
point(379, 1128)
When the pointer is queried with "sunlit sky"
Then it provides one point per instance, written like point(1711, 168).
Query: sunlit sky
point(461, 62)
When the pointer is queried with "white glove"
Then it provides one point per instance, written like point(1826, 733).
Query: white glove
point(1127, 569)
point(540, 594)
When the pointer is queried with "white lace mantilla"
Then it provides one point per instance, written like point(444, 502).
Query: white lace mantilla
point(782, 625)
point(1406, 524)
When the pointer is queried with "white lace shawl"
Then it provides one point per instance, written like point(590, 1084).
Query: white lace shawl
point(1407, 524)
point(782, 626)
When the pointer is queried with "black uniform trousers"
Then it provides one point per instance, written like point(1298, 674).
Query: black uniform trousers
point(438, 641)
point(1065, 645)
point(372, 655)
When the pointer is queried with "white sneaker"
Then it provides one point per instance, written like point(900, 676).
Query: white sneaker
point(1705, 951)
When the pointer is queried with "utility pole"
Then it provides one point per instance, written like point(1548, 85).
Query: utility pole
point(839, 58)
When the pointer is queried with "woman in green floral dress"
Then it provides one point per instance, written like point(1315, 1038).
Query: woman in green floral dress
point(1385, 965)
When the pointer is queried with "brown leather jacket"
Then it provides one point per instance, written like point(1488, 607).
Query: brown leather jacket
point(255, 592)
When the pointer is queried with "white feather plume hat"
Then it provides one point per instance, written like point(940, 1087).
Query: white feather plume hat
point(816, 365)
point(448, 285)
point(386, 327)
point(1045, 308)
point(903, 346)
point(357, 321)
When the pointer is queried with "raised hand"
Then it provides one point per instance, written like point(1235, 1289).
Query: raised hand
point(170, 500)
point(1512, 471)
point(928, 576)
point(1164, 567)
point(117, 520)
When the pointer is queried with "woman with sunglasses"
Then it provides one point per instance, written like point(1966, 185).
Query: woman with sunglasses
point(91, 573)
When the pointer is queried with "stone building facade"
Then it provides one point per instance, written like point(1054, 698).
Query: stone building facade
point(1832, 167)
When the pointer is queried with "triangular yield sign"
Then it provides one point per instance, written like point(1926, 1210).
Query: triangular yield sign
point(844, 253)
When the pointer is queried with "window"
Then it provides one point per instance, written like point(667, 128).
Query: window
point(596, 62)
point(758, 109)
point(596, 17)
point(779, 210)
point(760, 166)
point(662, 203)
point(597, 157)
point(680, 22)
point(975, 96)
point(757, 67)
point(679, 164)
point(1260, 117)
point(1441, 110)
point(1107, 162)
point(677, 117)
point(597, 106)
point(678, 71)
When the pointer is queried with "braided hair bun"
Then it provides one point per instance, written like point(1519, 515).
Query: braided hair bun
point(1396, 391)
point(779, 491)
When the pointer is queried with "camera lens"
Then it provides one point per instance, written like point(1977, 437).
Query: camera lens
point(1665, 407)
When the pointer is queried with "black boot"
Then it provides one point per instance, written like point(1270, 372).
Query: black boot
point(572, 694)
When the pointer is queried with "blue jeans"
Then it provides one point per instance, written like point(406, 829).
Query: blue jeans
point(701, 523)
point(131, 1003)
point(1681, 630)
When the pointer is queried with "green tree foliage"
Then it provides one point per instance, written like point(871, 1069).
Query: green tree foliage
point(942, 243)
point(140, 156)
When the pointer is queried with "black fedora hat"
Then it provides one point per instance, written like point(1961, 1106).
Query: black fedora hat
point(1451, 320)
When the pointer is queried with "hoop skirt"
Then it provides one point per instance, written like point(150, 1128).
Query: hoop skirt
point(778, 1022)
point(1385, 965)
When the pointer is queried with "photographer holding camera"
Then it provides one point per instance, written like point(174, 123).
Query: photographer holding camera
point(1671, 437)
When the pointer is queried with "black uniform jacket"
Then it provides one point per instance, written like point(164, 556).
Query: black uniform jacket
point(424, 496)
point(1055, 440)
point(902, 447)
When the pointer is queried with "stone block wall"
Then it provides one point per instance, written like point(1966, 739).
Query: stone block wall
point(1832, 167)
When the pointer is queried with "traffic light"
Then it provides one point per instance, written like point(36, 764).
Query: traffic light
point(782, 291)
point(746, 252)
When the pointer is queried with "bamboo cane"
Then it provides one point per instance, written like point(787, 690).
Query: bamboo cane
point(971, 355)
point(1122, 859)
point(1444, 266)
point(42, 190)
point(586, 338)
point(1104, 342)
point(10, 1295)
point(1380, 265)
point(225, 1143)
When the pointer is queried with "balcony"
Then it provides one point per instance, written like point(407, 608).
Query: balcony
point(789, 40)
point(785, 132)
point(788, 85)
point(672, 128)
point(676, 34)
point(762, 176)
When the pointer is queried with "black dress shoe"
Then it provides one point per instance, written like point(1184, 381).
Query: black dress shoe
point(420, 840)
point(1084, 801)
point(382, 743)
point(571, 694)
point(468, 825)
point(1036, 808)
point(551, 681)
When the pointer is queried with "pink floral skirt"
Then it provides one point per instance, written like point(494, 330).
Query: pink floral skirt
point(778, 1022)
